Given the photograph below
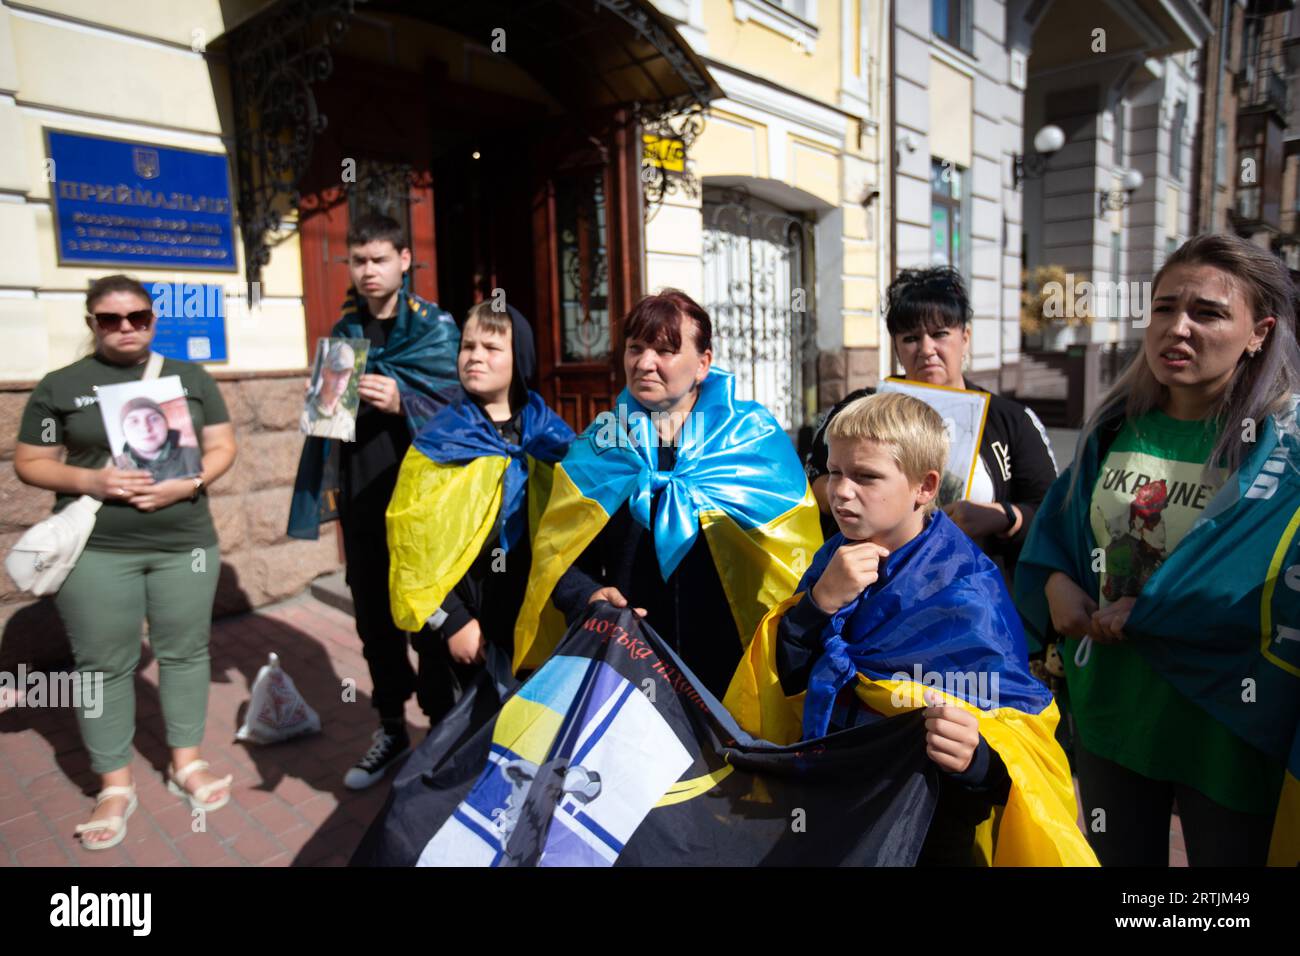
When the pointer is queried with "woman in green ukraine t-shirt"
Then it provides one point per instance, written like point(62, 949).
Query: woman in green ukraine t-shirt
point(1220, 351)
point(151, 556)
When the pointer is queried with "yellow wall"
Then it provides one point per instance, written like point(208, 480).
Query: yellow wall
point(1171, 210)
point(137, 71)
point(674, 236)
point(815, 169)
point(735, 145)
point(730, 145)
point(188, 23)
point(757, 49)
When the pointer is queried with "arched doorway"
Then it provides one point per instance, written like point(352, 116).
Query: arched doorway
point(758, 288)
point(508, 136)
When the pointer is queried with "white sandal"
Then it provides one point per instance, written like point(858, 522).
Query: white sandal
point(117, 824)
point(199, 798)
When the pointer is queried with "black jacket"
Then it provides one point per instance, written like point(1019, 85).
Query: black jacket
point(689, 610)
point(1015, 451)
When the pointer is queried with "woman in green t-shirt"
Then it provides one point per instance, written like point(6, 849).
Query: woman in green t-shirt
point(152, 555)
point(1145, 557)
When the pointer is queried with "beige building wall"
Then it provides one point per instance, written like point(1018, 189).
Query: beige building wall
point(798, 127)
point(136, 71)
point(125, 71)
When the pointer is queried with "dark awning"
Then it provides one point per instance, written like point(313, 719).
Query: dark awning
point(587, 53)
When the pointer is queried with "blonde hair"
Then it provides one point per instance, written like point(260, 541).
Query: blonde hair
point(911, 429)
point(489, 319)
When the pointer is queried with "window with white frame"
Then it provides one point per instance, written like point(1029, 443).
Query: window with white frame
point(950, 21)
point(950, 215)
point(758, 288)
point(796, 19)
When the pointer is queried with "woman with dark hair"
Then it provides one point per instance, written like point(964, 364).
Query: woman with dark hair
point(1166, 545)
point(153, 445)
point(928, 317)
point(684, 502)
point(151, 556)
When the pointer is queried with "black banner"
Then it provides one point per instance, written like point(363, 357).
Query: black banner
point(613, 754)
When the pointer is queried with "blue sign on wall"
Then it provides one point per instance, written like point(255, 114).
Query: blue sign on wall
point(191, 323)
point(118, 202)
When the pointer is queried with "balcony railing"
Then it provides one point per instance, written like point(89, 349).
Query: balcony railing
point(1267, 89)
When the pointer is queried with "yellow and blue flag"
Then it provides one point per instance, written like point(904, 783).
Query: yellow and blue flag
point(737, 479)
point(1219, 619)
point(459, 480)
point(613, 754)
point(939, 619)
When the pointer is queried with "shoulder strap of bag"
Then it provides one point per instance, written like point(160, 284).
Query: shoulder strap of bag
point(151, 370)
point(154, 367)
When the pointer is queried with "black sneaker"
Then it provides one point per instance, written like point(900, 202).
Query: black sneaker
point(386, 750)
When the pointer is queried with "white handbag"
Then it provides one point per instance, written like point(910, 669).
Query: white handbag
point(47, 552)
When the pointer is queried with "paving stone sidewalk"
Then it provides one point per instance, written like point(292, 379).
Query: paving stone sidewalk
point(290, 807)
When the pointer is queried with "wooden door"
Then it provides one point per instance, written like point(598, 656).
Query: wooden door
point(587, 222)
point(323, 227)
point(379, 160)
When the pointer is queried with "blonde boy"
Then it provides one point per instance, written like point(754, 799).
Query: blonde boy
point(900, 590)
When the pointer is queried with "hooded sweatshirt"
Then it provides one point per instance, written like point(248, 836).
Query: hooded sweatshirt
point(493, 597)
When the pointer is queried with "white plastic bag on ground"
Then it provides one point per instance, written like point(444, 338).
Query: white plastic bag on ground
point(276, 711)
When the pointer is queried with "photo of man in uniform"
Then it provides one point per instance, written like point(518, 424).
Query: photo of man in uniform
point(331, 408)
point(153, 445)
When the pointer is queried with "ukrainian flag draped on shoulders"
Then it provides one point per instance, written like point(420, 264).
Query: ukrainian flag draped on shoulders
point(420, 355)
point(458, 481)
point(737, 480)
point(1220, 618)
point(939, 618)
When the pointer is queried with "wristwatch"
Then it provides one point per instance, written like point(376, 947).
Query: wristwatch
point(198, 488)
point(1011, 515)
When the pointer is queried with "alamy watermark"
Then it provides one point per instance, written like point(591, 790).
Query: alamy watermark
point(77, 909)
point(639, 429)
point(979, 688)
point(1103, 300)
point(63, 689)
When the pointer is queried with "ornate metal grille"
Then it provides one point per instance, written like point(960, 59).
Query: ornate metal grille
point(385, 188)
point(758, 290)
point(584, 266)
point(274, 65)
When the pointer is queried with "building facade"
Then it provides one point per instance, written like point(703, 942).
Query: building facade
point(1119, 81)
point(1126, 99)
point(511, 141)
point(1248, 155)
point(958, 92)
point(779, 235)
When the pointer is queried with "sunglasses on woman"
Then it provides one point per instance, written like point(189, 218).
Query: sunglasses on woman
point(112, 321)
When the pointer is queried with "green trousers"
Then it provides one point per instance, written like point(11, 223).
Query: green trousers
point(103, 603)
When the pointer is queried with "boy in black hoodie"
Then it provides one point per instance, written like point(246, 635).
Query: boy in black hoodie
point(458, 520)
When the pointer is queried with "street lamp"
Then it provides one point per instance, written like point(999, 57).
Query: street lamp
point(1113, 200)
point(1046, 142)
